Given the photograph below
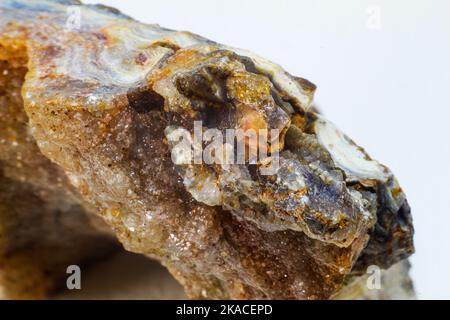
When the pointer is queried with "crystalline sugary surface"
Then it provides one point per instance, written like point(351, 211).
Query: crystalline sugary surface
point(98, 99)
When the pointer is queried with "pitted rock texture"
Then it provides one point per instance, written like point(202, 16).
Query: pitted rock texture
point(44, 225)
point(100, 101)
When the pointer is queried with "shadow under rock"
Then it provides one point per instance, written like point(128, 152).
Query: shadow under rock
point(126, 276)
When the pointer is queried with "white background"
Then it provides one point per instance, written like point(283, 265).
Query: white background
point(383, 75)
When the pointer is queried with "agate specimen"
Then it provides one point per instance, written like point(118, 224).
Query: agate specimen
point(89, 101)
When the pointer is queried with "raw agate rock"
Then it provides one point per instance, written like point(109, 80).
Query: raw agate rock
point(100, 98)
point(44, 224)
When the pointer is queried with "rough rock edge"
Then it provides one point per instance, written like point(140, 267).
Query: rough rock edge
point(401, 255)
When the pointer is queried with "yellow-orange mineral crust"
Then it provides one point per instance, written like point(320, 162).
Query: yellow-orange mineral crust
point(85, 111)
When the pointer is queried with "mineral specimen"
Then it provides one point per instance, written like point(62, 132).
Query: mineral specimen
point(92, 107)
point(44, 226)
